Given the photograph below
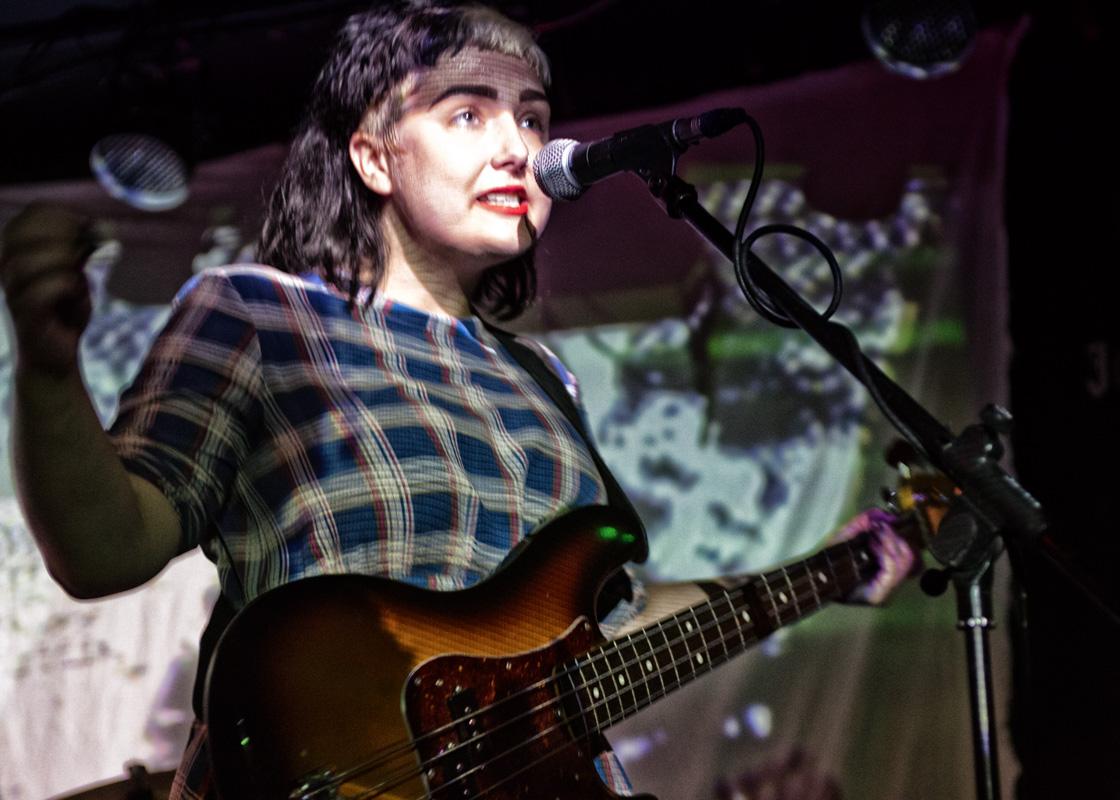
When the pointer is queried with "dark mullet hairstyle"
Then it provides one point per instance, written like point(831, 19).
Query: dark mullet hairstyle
point(321, 216)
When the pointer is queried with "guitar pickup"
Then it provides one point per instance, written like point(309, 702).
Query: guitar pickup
point(463, 705)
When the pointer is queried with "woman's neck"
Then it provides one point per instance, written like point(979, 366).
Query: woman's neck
point(433, 292)
point(422, 280)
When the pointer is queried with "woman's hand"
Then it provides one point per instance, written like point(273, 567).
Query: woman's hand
point(42, 253)
point(897, 559)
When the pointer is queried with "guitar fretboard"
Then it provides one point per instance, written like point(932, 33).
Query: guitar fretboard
point(623, 676)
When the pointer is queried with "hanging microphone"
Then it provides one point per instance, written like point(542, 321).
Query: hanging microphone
point(920, 38)
point(140, 170)
point(564, 168)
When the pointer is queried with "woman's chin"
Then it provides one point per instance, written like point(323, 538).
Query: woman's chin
point(507, 251)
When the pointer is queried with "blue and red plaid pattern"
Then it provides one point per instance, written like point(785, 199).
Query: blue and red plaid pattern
point(317, 438)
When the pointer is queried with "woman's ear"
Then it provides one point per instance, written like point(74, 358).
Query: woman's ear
point(370, 158)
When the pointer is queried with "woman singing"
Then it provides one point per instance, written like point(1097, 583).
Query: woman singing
point(341, 407)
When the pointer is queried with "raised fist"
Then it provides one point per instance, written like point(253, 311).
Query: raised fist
point(42, 253)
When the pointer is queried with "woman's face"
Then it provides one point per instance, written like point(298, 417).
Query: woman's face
point(458, 174)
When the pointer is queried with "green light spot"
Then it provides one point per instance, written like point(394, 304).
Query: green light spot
point(245, 742)
point(608, 533)
point(628, 538)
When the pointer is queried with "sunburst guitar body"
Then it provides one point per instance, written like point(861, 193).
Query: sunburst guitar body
point(349, 686)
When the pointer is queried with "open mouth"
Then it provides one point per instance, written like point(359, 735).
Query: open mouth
point(507, 200)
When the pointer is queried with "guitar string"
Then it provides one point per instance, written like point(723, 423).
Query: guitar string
point(711, 665)
point(553, 700)
point(601, 656)
point(713, 662)
point(406, 747)
point(867, 558)
point(865, 554)
point(413, 771)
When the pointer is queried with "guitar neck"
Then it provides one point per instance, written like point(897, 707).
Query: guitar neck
point(617, 679)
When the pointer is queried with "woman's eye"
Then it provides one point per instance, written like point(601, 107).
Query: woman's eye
point(465, 117)
point(533, 123)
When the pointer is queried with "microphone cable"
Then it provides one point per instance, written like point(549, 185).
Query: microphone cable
point(765, 307)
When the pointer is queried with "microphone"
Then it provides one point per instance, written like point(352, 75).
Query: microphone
point(140, 170)
point(564, 168)
point(920, 39)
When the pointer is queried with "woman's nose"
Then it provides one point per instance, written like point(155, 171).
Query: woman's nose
point(512, 151)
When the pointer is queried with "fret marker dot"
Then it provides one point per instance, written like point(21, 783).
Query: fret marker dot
point(782, 597)
point(688, 627)
point(822, 577)
point(621, 680)
point(649, 665)
point(699, 658)
point(746, 617)
point(595, 692)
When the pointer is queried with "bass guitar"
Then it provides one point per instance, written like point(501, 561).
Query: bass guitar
point(349, 686)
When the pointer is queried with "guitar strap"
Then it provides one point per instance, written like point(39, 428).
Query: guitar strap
point(617, 587)
point(551, 384)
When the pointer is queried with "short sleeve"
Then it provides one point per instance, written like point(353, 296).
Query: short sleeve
point(186, 422)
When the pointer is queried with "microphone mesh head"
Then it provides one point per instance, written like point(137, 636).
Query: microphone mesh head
point(140, 170)
point(919, 38)
point(551, 173)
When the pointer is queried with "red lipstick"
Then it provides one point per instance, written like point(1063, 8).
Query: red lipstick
point(512, 200)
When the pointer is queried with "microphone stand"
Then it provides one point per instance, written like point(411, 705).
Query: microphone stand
point(991, 503)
